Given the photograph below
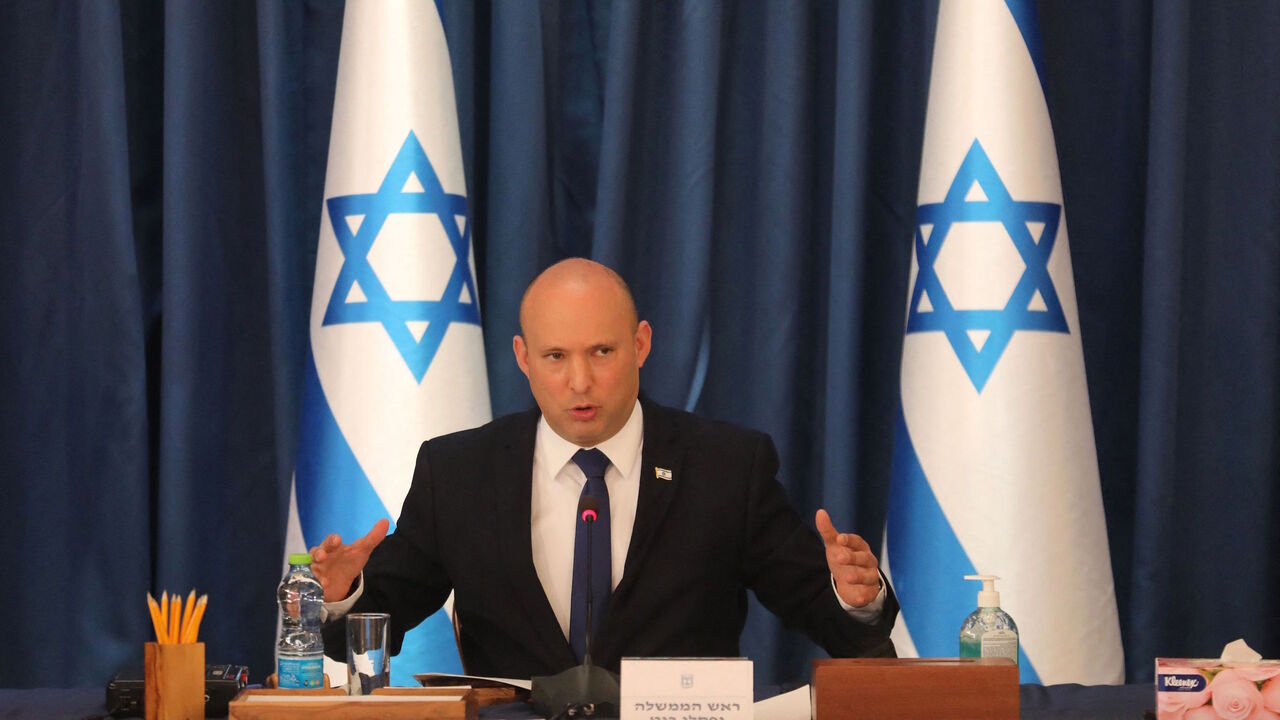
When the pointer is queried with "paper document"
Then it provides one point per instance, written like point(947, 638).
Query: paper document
point(475, 681)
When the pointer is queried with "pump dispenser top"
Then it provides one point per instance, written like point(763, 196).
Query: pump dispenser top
point(987, 597)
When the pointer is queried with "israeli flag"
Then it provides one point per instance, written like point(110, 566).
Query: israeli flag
point(397, 355)
point(994, 467)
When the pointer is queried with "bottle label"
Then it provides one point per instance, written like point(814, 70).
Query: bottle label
point(1000, 643)
point(300, 672)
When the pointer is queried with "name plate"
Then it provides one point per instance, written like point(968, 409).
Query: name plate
point(686, 689)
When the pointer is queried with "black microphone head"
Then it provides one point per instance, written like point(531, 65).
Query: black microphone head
point(588, 508)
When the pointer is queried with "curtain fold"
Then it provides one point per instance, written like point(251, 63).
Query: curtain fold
point(658, 175)
point(517, 196)
point(74, 431)
point(218, 482)
point(1207, 471)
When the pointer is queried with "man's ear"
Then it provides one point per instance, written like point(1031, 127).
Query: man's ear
point(644, 338)
point(521, 352)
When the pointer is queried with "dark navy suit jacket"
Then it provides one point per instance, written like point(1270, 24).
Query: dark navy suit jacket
point(719, 527)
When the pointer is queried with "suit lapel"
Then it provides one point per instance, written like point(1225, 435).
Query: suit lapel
point(516, 491)
point(662, 452)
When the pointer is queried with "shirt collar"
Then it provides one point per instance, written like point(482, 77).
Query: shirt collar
point(622, 449)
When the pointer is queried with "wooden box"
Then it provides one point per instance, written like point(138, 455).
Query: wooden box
point(334, 704)
point(174, 681)
point(907, 689)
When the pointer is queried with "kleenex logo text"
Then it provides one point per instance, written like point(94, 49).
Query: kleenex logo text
point(1182, 683)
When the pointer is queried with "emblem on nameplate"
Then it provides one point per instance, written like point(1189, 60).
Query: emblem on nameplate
point(686, 679)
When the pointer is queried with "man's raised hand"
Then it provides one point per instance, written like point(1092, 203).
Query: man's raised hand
point(336, 566)
point(853, 565)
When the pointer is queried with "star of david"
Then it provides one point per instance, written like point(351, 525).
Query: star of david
point(458, 302)
point(1033, 304)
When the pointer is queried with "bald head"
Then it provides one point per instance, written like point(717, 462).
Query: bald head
point(581, 346)
point(582, 274)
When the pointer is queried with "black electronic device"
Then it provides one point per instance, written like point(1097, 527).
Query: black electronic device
point(126, 692)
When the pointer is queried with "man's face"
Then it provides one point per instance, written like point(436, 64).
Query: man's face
point(582, 356)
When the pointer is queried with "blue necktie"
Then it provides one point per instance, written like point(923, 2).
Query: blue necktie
point(593, 464)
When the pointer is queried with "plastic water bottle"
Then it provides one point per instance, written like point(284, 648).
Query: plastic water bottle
point(300, 652)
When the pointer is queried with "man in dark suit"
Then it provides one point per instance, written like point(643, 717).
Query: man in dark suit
point(690, 516)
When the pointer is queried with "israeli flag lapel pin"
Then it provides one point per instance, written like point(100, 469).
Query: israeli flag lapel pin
point(662, 473)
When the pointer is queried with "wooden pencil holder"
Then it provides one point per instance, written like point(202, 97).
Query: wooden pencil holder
point(174, 681)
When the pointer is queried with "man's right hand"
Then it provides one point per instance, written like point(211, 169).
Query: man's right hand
point(336, 566)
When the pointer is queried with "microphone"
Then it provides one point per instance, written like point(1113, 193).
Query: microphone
point(588, 510)
point(583, 690)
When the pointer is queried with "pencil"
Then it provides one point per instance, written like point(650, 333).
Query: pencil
point(186, 616)
point(175, 616)
point(154, 609)
point(193, 631)
point(164, 618)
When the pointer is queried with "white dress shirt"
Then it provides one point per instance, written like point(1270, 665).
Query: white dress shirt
point(557, 485)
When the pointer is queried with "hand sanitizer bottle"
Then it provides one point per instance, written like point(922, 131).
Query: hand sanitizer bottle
point(988, 631)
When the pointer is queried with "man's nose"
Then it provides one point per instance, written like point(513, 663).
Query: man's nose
point(579, 375)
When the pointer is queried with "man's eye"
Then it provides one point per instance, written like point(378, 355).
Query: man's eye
point(555, 356)
point(604, 351)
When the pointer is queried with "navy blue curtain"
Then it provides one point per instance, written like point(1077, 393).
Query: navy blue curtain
point(750, 168)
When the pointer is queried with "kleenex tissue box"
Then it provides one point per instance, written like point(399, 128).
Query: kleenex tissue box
point(1240, 684)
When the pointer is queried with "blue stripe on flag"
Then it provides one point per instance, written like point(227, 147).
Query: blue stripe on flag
point(440, 12)
point(927, 562)
point(430, 647)
point(1024, 16)
point(335, 495)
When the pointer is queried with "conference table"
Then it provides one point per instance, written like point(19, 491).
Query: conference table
point(1055, 702)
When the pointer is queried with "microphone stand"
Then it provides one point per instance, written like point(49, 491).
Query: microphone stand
point(586, 639)
point(583, 690)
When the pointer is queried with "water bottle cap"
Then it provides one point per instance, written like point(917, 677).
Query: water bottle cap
point(300, 558)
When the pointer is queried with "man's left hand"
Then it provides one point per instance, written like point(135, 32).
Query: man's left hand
point(853, 566)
